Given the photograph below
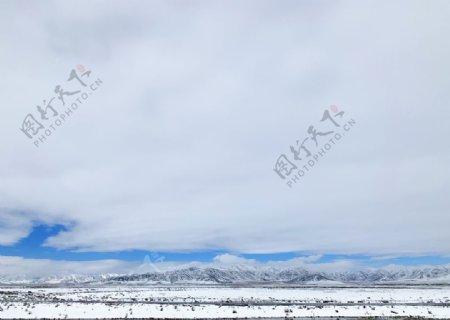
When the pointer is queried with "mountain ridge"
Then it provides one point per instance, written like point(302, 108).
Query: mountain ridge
point(241, 274)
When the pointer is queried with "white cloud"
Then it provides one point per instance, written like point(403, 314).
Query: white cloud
point(227, 258)
point(175, 151)
point(13, 226)
point(18, 266)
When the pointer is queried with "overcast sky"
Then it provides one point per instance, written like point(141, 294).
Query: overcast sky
point(175, 150)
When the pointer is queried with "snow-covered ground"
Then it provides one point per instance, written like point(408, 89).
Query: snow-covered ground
point(223, 302)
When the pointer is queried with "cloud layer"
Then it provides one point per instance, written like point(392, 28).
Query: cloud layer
point(27, 268)
point(175, 151)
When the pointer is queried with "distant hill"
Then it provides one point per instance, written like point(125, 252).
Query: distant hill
point(250, 275)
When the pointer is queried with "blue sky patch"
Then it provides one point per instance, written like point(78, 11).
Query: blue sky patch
point(32, 247)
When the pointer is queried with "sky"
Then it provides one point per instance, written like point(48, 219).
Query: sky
point(188, 106)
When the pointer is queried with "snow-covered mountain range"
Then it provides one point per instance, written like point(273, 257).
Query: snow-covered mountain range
point(239, 274)
point(249, 274)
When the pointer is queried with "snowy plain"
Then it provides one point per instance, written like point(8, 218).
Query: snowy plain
point(191, 302)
